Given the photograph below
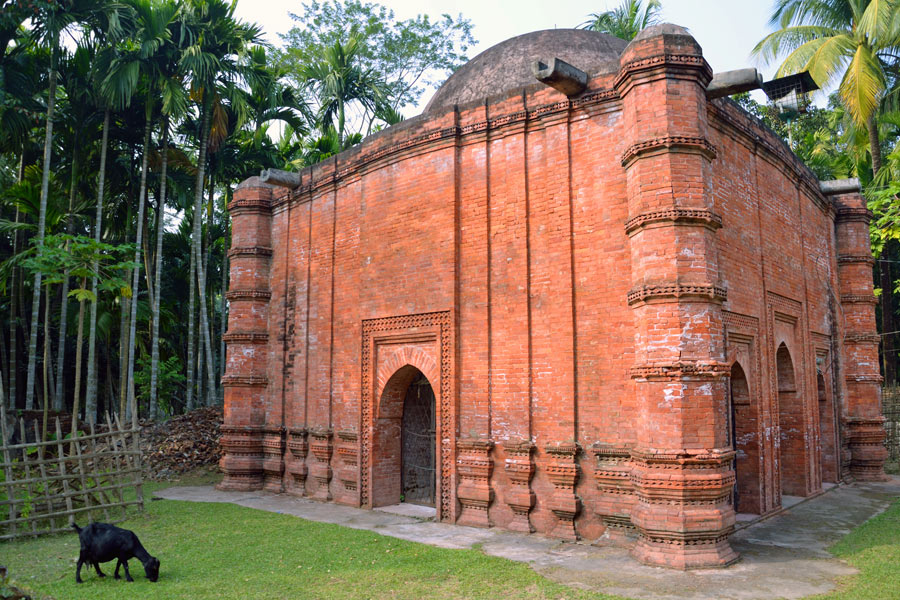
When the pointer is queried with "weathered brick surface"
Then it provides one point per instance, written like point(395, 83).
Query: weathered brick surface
point(625, 303)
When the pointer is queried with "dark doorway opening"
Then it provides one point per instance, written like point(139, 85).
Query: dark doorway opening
point(417, 470)
point(745, 437)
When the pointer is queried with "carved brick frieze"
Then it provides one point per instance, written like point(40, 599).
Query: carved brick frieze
point(858, 299)
point(848, 214)
point(519, 468)
point(238, 295)
point(252, 337)
point(680, 370)
point(671, 143)
point(695, 477)
point(250, 251)
point(244, 381)
point(678, 216)
point(298, 444)
point(867, 259)
point(650, 293)
point(321, 447)
point(862, 338)
point(612, 469)
point(668, 61)
point(348, 473)
point(473, 469)
point(242, 458)
point(273, 458)
point(562, 471)
point(240, 206)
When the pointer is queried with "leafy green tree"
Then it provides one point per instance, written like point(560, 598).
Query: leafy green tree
point(849, 42)
point(626, 20)
point(409, 56)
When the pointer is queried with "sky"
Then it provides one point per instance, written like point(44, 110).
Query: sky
point(727, 30)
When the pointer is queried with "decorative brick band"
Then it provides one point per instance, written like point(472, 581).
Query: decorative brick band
point(254, 337)
point(232, 295)
point(707, 291)
point(856, 258)
point(680, 143)
point(679, 370)
point(250, 251)
point(862, 338)
point(854, 213)
point(651, 62)
point(249, 205)
point(244, 381)
point(858, 299)
point(874, 378)
point(691, 216)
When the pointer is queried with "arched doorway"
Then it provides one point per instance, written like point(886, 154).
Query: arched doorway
point(791, 426)
point(745, 438)
point(827, 432)
point(404, 444)
point(418, 443)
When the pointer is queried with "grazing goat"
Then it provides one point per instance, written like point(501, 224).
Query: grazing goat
point(101, 542)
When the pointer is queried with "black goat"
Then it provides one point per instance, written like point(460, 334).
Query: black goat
point(102, 542)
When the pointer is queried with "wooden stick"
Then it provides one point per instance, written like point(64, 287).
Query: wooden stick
point(76, 443)
point(96, 470)
point(28, 488)
point(44, 482)
point(53, 443)
point(62, 471)
point(10, 482)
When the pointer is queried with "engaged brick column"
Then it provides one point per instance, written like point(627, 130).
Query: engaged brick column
point(864, 421)
point(245, 367)
point(681, 460)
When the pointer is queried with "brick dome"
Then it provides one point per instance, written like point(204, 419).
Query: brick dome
point(507, 66)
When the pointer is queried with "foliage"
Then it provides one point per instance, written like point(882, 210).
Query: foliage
point(169, 380)
point(409, 56)
point(626, 20)
point(837, 41)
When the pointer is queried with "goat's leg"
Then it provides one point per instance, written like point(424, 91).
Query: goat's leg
point(127, 574)
point(78, 570)
point(99, 572)
point(118, 564)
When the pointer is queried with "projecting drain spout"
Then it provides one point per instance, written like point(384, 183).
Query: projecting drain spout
point(560, 75)
point(280, 178)
point(733, 82)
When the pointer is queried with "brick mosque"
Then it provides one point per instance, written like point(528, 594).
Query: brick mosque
point(613, 309)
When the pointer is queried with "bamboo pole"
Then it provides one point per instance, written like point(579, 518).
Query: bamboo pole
point(10, 483)
point(62, 471)
point(28, 488)
point(44, 489)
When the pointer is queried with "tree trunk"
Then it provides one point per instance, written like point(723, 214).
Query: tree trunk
point(195, 254)
point(46, 364)
point(123, 352)
point(135, 281)
point(223, 323)
point(42, 221)
point(160, 228)
point(13, 325)
point(59, 397)
point(76, 399)
point(205, 322)
point(90, 402)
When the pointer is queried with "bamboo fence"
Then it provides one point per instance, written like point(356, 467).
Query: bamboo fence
point(45, 485)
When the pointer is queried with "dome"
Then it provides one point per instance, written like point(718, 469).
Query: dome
point(507, 66)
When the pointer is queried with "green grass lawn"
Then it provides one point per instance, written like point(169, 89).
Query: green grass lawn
point(224, 551)
point(874, 549)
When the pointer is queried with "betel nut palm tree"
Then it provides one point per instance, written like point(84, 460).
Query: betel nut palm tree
point(50, 21)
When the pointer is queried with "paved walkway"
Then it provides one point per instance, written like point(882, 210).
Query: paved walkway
point(782, 557)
